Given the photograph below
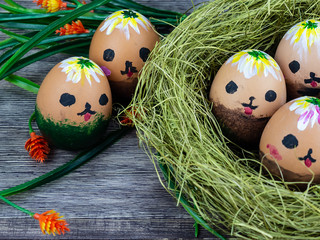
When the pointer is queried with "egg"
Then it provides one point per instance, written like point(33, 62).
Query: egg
point(298, 55)
point(74, 104)
point(248, 88)
point(121, 46)
point(289, 145)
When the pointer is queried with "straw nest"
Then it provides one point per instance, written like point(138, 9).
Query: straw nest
point(223, 183)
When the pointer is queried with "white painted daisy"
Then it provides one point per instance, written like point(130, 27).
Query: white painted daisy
point(304, 35)
point(308, 109)
point(74, 67)
point(254, 62)
point(123, 19)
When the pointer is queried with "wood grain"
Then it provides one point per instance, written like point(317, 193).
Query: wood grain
point(117, 195)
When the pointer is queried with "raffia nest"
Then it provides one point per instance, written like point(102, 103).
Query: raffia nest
point(224, 185)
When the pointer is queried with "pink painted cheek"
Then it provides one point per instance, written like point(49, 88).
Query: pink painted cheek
point(274, 152)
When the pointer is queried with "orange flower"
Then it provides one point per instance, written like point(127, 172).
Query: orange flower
point(51, 222)
point(51, 5)
point(127, 118)
point(37, 147)
point(74, 28)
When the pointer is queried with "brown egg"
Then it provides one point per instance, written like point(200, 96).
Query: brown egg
point(298, 56)
point(246, 91)
point(74, 103)
point(289, 145)
point(121, 46)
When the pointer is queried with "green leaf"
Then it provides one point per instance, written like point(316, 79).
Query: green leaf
point(46, 32)
point(5, 17)
point(24, 26)
point(16, 36)
point(47, 53)
point(171, 182)
point(13, 4)
point(16, 10)
point(9, 42)
point(23, 83)
point(73, 164)
point(7, 54)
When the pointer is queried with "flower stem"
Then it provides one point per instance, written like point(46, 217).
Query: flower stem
point(16, 206)
point(32, 117)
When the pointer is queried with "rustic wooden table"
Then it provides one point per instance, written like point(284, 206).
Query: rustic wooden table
point(117, 195)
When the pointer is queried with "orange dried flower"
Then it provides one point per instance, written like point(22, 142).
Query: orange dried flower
point(74, 28)
point(37, 147)
point(129, 114)
point(51, 222)
point(51, 5)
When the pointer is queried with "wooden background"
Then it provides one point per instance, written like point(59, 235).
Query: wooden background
point(117, 195)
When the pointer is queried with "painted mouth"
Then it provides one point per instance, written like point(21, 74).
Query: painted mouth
point(129, 70)
point(87, 113)
point(314, 84)
point(248, 107)
point(248, 110)
point(313, 80)
point(308, 159)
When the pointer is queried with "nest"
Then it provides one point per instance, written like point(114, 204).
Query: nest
point(224, 184)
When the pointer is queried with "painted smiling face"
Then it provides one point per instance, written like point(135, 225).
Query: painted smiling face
point(246, 91)
point(73, 103)
point(289, 144)
point(298, 55)
point(121, 46)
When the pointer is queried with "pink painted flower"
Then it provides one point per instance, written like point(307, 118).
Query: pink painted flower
point(308, 109)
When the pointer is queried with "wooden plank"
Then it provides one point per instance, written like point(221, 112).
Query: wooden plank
point(115, 196)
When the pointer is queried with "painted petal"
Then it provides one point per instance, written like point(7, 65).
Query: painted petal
point(303, 121)
point(113, 26)
point(94, 75)
point(134, 25)
point(142, 24)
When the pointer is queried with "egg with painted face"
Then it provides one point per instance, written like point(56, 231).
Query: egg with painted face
point(248, 88)
point(74, 104)
point(289, 146)
point(298, 55)
point(121, 46)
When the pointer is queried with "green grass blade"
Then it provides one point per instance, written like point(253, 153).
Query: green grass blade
point(13, 4)
point(18, 10)
point(170, 180)
point(9, 42)
point(46, 32)
point(138, 6)
point(16, 36)
point(23, 83)
point(5, 17)
point(73, 164)
point(47, 53)
point(24, 26)
point(7, 54)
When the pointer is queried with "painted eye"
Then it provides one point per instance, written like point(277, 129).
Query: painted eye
point(290, 141)
point(144, 53)
point(108, 55)
point(270, 96)
point(103, 100)
point(231, 87)
point(67, 99)
point(294, 66)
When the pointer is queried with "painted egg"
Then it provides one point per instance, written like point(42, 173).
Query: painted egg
point(121, 46)
point(289, 145)
point(74, 103)
point(298, 56)
point(248, 88)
